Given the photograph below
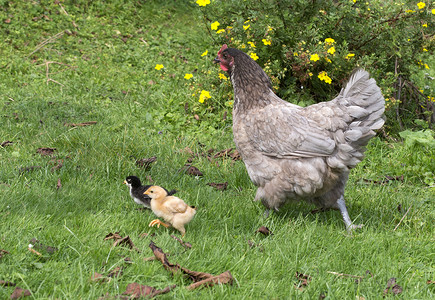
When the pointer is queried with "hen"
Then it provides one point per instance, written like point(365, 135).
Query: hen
point(172, 209)
point(300, 153)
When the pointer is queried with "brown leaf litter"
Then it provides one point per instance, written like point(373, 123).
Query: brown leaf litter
point(119, 240)
point(219, 186)
point(6, 283)
point(146, 162)
point(264, 230)
point(6, 143)
point(19, 292)
point(199, 278)
point(303, 281)
point(395, 288)
point(3, 253)
point(186, 245)
point(191, 170)
point(137, 290)
point(46, 151)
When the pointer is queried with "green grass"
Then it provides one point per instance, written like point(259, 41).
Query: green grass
point(109, 83)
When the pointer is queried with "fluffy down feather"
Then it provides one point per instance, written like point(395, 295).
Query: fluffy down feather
point(296, 153)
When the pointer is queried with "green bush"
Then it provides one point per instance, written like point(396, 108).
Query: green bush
point(310, 48)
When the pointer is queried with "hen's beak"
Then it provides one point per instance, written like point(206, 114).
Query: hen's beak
point(216, 60)
point(125, 182)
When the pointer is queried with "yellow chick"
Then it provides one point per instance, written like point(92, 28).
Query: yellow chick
point(172, 209)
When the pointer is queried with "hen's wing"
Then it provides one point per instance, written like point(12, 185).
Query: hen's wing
point(280, 130)
point(175, 205)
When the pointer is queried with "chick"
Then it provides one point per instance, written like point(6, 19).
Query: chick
point(172, 209)
point(137, 191)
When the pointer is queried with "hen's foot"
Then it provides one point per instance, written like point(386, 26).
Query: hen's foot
point(158, 223)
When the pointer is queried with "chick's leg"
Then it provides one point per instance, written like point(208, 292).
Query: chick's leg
point(343, 209)
point(158, 223)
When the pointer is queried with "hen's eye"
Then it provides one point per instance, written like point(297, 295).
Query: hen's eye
point(225, 56)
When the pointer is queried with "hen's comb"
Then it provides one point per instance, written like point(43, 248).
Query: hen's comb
point(223, 48)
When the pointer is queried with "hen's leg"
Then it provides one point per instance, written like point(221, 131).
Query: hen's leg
point(342, 207)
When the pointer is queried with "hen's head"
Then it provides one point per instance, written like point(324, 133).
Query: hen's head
point(226, 57)
point(155, 192)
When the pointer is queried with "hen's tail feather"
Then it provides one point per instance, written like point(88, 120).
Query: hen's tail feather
point(365, 105)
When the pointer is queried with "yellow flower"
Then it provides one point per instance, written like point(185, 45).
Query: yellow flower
point(204, 94)
point(205, 53)
point(215, 25)
point(314, 57)
point(158, 67)
point(246, 27)
point(410, 11)
point(323, 76)
point(328, 60)
point(349, 56)
point(424, 50)
point(329, 41)
point(203, 2)
point(331, 50)
point(421, 5)
point(266, 42)
point(295, 54)
point(220, 31)
point(311, 74)
point(188, 76)
point(424, 25)
point(426, 66)
point(222, 76)
point(251, 44)
point(254, 56)
point(433, 11)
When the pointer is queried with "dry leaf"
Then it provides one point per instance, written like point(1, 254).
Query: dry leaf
point(264, 230)
point(3, 252)
point(192, 170)
point(137, 290)
point(430, 282)
point(395, 288)
point(199, 278)
point(184, 244)
point(97, 277)
point(59, 184)
point(146, 162)
point(223, 153)
point(19, 292)
point(6, 283)
point(6, 143)
point(303, 279)
point(116, 272)
point(119, 240)
point(219, 186)
point(45, 151)
point(58, 164)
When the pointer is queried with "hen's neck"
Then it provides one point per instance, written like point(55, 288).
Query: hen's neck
point(251, 85)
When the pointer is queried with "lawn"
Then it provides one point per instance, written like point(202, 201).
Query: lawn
point(66, 64)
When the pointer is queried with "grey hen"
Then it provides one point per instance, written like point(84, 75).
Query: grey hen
point(300, 153)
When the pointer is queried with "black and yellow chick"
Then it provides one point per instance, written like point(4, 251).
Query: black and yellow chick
point(137, 191)
point(172, 209)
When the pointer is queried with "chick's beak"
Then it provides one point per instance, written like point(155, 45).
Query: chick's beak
point(125, 182)
point(216, 60)
point(146, 193)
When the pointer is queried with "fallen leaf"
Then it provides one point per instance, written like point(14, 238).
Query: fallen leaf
point(45, 151)
point(119, 240)
point(395, 288)
point(38, 245)
point(199, 278)
point(303, 279)
point(116, 272)
point(223, 153)
point(430, 282)
point(253, 245)
point(81, 124)
point(151, 82)
point(191, 170)
point(145, 234)
point(59, 184)
point(19, 292)
point(58, 164)
point(184, 244)
point(28, 169)
point(8, 21)
point(34, 251)
point(6, 283)
point(264, 230)
point(219, 186)
point(137, 290)
point(146, 162)
point(3, 252)
point(6, 143)
point(196, 117)
point(97, 277)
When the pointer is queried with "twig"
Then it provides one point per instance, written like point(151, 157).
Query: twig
point(402, 217)
point(345, 275)
point(34, 251)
